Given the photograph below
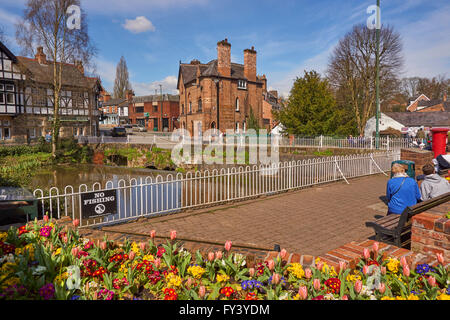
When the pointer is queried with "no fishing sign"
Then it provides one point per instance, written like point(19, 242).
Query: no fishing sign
point(98, 204)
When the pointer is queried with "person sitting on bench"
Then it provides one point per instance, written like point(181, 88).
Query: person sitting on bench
point(401, 191)
point(433, 185)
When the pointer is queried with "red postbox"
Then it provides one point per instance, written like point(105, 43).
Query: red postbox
point(439, 141)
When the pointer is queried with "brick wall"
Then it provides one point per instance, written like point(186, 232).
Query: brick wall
point(420, 158)
point(430, 232)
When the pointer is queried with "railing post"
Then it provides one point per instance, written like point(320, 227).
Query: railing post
point(387, 143)
point(321, 141)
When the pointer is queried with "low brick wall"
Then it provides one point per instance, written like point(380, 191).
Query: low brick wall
point(430, 232)
point(420, 158)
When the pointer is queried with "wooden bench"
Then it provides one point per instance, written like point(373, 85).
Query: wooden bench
point(395, 229)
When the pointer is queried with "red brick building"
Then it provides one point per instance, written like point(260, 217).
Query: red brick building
point(146, 110)
point(220, 94)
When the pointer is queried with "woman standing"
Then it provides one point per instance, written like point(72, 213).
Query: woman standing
point(401, 191)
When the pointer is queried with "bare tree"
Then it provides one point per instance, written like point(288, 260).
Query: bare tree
point(45, 23)
point(2, 35)
point(352, 70)
point(121, 83)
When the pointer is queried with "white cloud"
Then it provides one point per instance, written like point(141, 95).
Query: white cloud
point(139, 25)
point(169, 85)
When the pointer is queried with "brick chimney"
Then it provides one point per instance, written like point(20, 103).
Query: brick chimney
point(129, 94)
point(106, 96)
point(250, 64)
point(79, 65)
point(224, 58)
point(40, 56)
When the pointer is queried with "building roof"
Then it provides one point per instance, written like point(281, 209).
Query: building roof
point(7, 52)
point(189, 71)
point(417, 119)
point(114, 102)
point(44, 73)
point(156, 98)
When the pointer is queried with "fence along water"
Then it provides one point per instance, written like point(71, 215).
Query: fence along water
point(149, 196)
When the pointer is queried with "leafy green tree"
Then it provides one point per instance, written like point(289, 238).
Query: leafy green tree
point(311, 109)
point(253, 121)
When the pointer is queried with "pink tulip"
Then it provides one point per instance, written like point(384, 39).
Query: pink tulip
point(103, 245)
point(358, 286)
point(251, 272)
point(383, 270)
point(366, 270)
point(211, 256)
point(173, 235)
point(344, 297)
point(271, 264)
point(303, 292)
point(157, 262)
point(431, 281)
point(75, 251)
point(440, 258)
point(366, 253)
point(308, 273)
point(382, 288)
point(142, 246)
point(375, 247)
point(189, 282)
point(201, 291)
point(316, 284)
point(342, 265)
point(45, 218)
point(218, 255)
point(403, 261)
point(276, 278)
point(65, 239)
point(406, 271)
point(228, 245)
point(152, 234)
point(283, 253)
point(76, 223)
point(131, 255)
point(319, 265)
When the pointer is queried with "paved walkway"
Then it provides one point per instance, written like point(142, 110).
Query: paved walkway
point(309, 221)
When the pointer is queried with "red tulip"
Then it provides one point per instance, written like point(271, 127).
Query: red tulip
point(308, 273)
point(375, 247)
point(382, 288)
point(228, 245)
point(152, 234)
point(366, 270)
point(316, 284)
point(431, 281)
point(131, 255)
point(103, 245)
point(383, 270)
point(344, 297)
point(406, 271)
point(65, 239)
point(342, 265)
point(142, 246)
point(440, 258)
point(218, 255)
point(271, 264)
point(76, 222)
point(75, 251)
point(366, 254)
point(358, 286)
point(157, 262)
point(201, 291)
point(251, 272)
point(276, 278)
point(283, 253)
point(403, 261)
point(319, 265)
point(303, 292)
point(45, 218)
point(189, 282)
point(173, 235)
point(210, 256)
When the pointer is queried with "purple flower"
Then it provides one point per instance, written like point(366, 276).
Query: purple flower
point(47, 291)
point(105, 294)
point(45, 231)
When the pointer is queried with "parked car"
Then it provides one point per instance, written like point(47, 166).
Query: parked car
point(118, 132)
point(139, 128)
point(128, 128)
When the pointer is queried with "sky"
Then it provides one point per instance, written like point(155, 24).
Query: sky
point(290, 36)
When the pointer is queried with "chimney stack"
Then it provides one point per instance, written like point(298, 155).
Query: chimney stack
point(79, 65)
point(40, 56)
point(224, 58)
point(250, 64)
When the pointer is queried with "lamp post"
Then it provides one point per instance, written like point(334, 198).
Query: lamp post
point(378, 26)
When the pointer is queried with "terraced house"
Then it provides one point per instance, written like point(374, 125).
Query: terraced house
point(220, 94)
point(26, 98)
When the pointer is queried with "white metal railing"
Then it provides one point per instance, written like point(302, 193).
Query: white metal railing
point(149, 196)
point(385, 143)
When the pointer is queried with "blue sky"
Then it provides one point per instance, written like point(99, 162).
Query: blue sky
point(289, 35)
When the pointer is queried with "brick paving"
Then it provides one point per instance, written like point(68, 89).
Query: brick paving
point(311, 221)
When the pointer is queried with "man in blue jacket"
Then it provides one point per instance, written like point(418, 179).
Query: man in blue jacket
point(401, 191)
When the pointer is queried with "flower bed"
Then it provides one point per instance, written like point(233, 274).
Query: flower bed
point(42, 261)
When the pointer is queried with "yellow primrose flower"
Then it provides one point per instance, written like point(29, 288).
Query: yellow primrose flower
point(387, 298)
point(173, 280)
point(222, 278)
point(297, 270)
point(3, 236)
point(196, 271)
point(352, 277)
point(393, 265)
point(57, 252)
point(443, 296)
point(148, 257)
point(412, 296)
point(296, 297)
point(61, 278)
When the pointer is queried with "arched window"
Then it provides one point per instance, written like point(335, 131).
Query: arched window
point(190, 107)
point(199, 105)
point(237, 104)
